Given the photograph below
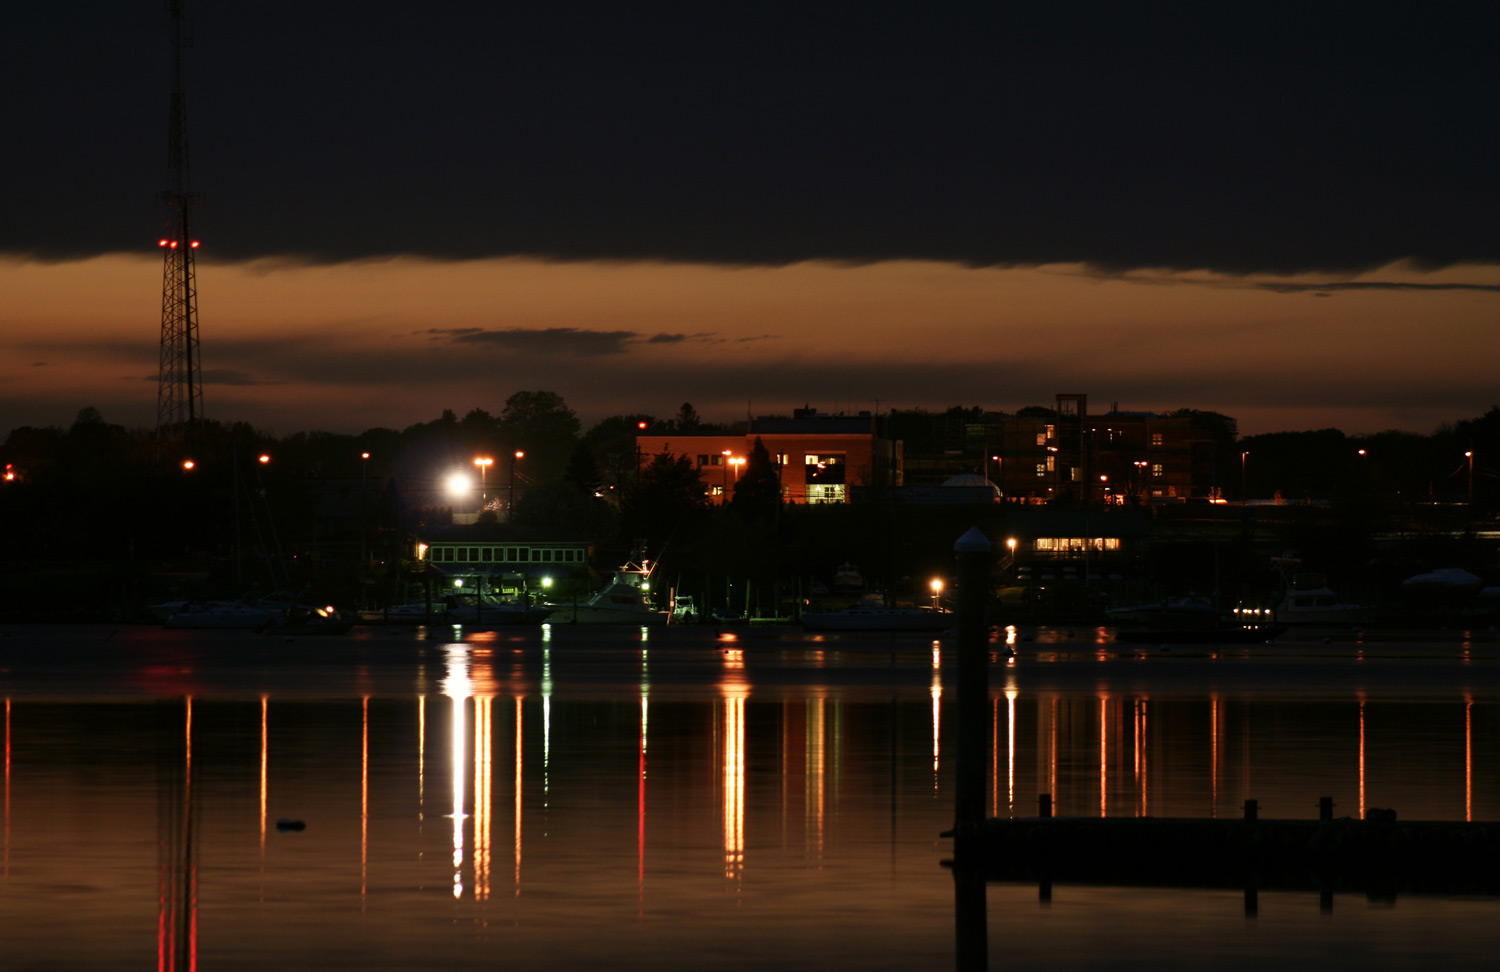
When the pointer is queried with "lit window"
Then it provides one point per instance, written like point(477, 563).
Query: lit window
point(1041, 470)
point(1156, 470)
point(1041, 438)
point(1156, 438)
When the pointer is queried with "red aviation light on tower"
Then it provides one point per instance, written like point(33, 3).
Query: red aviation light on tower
point(194, 244)
point(162, 242)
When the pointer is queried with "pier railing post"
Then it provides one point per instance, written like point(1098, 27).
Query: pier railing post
point(969, 860)
point(973, 554)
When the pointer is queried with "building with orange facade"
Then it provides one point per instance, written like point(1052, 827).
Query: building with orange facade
point(819, 457)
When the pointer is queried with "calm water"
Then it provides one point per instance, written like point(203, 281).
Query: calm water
point(571, 798)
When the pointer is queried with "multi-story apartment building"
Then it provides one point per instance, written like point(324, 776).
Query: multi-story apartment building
point(1113, 458)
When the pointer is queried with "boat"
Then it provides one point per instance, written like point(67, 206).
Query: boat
point(1310, 601)
point(847, 578)
point(419, 612)
point(488, 611)
point(622, 601)
point(870, 616)
point(1193, 620)
point(685, 610)
point(1306, 599)
point(325, 620)
point(221, 616)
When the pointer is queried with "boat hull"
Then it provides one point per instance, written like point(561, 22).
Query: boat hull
point(877, 619)
point(1187, 636)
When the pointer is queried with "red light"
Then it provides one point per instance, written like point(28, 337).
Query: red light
point(172, 245)
point(640, 425)
point(162, 243)
point(195, 244)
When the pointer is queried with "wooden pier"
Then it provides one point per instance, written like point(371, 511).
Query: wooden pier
point(1380, 855)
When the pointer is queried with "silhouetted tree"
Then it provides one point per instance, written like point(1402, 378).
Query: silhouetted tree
point(583, 470)
point(540, 424)
point(757, 493)
point(687, 420)
point(669, 490)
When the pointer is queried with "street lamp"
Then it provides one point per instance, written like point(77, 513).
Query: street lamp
point(510, 499)
point(725, 497)
point(937, 591)
point(1470, 456)
point(364, 508)
point(484, 463)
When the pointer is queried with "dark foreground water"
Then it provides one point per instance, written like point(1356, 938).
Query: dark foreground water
point(583, 798)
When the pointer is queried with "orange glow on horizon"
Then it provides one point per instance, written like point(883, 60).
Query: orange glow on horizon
point(919, 314)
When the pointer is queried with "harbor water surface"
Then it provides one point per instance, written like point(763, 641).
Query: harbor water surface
point(684, 798)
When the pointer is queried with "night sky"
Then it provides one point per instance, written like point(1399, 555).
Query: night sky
point(1287, 215)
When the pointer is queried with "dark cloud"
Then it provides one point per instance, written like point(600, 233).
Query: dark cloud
point(216, 376)
point(1234, 137)
point(1357, 285)
point(228, 376)
point(567, 341)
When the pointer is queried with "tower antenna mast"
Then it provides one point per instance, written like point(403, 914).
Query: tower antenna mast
point(179, 397)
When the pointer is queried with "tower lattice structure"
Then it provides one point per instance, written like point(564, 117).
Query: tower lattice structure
point(179, 398)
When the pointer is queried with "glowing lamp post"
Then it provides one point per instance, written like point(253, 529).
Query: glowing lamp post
point(484, 463)
point(510, 500)
point(1470, 457)
point(937, 591)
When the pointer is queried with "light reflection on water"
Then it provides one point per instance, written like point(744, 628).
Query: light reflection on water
point(730, 804)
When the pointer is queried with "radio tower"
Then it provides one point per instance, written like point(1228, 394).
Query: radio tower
point(179, 397)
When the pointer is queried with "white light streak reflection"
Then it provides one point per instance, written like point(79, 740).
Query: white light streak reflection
point(7, 787)
point(519, 791)
point(364, 804)
point(735, 690)
point(421, 759)
point(483, 792)
point(264, 768)
point(937, 725)
point(1213, 732)
point(640, 804)
point(1103, 755)
point(816, 771)
point(1361, 759)
point(457, 687)
point(1010, 750)
point(1468, 758)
